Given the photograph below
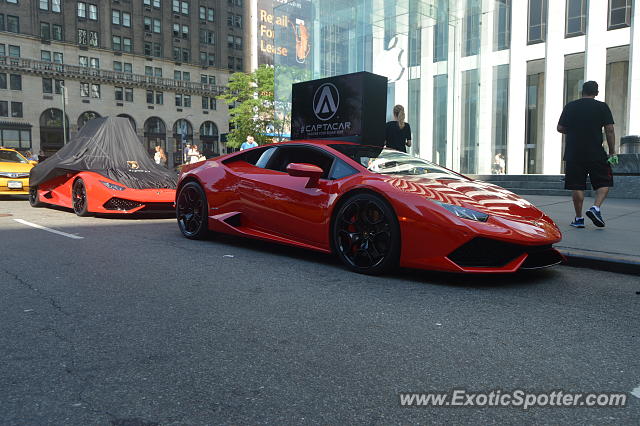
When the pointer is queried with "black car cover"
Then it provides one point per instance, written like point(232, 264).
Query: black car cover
point(108, 146)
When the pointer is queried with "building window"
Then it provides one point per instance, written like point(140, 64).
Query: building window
point(124, 93)
point(116, 43)
point(500, 119)
point(207, 59)
point(93, 39)
point(441, 32)
point(186, 101)
point(209, 103)
point(15, 82)
point(156, 3)
point(58, 58)
point(471, 41)
point(2, 22)
point(206, 13)
point(502, 25)
point(234, 20)
point(14, 51)
point(156, 26)
point(576, 23)
point(94, 63)
point(117, 66)
point(116, 17)
point(82, 36)
point(180, 7)
point(210, 14)
point(16, 109)
point(47, 85)
point(89, 90)
point(82, 9)
point(4, 108)
point(470, 95)
point(202, 13)
point(178, 100)
point(147, 23)
point(45, 55)
point(537, 21)
point(55, 6)
point(126, 19)
point(45, 30)
point(44, 4)
point(619, 14)
point(126, 44)
point(237, 3)
point(128, 67)
point(207, 37)
point(157, 50)
point(3, 81)
point(13, 24)
point(93, 12)
point(57, 32)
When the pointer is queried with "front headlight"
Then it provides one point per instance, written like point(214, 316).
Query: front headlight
point(464, 212)
point(113, 186)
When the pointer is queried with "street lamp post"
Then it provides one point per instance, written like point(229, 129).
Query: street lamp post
point(63, 90)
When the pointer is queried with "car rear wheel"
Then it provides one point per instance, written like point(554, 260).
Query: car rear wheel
point(191, 211)
point(366, 234)
point(79, 198)
point(34, 198)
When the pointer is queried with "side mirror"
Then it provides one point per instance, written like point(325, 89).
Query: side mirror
point(306, 170)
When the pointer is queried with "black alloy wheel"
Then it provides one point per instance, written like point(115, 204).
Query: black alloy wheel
point(79, 198)
point(366, 234)
point(34, 199)
point(191, 211)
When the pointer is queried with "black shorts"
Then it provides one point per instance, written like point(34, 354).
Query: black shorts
point(575, 174)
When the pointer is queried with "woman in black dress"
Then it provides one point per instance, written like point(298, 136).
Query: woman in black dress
point(397, 132)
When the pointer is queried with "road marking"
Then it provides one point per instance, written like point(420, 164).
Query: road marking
point(636, 392)
point(44, 228)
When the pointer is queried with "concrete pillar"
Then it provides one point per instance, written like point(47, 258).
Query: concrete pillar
point(426, 95)
point(633, 100)
point(517, 91)
point(596, 50)
point(485, 112)
point(550, 139)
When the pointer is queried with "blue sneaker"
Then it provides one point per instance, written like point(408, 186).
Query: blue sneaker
point(578, 223)
point(596, 217)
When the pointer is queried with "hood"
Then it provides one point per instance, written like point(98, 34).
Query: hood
point(6, 166)
point(477, 195)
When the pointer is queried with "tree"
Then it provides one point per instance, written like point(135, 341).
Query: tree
point(251, 106)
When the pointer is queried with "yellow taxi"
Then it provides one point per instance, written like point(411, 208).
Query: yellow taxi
point(14, 172)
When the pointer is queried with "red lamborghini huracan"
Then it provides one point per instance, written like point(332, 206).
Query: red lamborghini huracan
point(376, 208)
point(91, 193)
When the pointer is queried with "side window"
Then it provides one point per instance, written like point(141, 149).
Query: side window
point(252, 157)
point(341, 169)
point(264, 157)
point(286, 155)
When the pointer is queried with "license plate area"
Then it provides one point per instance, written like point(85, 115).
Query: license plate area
point(14, 184)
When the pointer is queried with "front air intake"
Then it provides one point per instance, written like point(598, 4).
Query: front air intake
point(120, 204)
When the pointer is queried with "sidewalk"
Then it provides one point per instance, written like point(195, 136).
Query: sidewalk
point(615, 248)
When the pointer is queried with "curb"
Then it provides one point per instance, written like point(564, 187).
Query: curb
point(602, 262)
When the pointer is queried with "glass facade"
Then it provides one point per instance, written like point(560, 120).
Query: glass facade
point(470, 73)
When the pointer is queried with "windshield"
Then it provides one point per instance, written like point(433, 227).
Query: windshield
point(11, 157)
point(392, 162)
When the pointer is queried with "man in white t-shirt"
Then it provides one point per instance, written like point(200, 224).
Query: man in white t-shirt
point(250, 143)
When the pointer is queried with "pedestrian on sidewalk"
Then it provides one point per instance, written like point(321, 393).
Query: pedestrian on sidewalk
point(398, 132)
point(250, 143)
point(582, 121)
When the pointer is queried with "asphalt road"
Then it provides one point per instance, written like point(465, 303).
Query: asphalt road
point(134, 325)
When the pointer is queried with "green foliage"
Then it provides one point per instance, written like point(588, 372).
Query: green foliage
point(252, 107)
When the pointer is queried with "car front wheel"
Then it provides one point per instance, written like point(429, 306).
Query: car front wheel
point(366, 234)
point(191, 211)
point(34, 198)
point(79, 198)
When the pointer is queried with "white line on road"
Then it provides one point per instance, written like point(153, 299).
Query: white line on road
point(636, 392)
point(44, 228)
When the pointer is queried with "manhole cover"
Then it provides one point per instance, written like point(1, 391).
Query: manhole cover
point(5, 215)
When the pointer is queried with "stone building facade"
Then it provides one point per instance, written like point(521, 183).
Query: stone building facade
point(160, 63)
